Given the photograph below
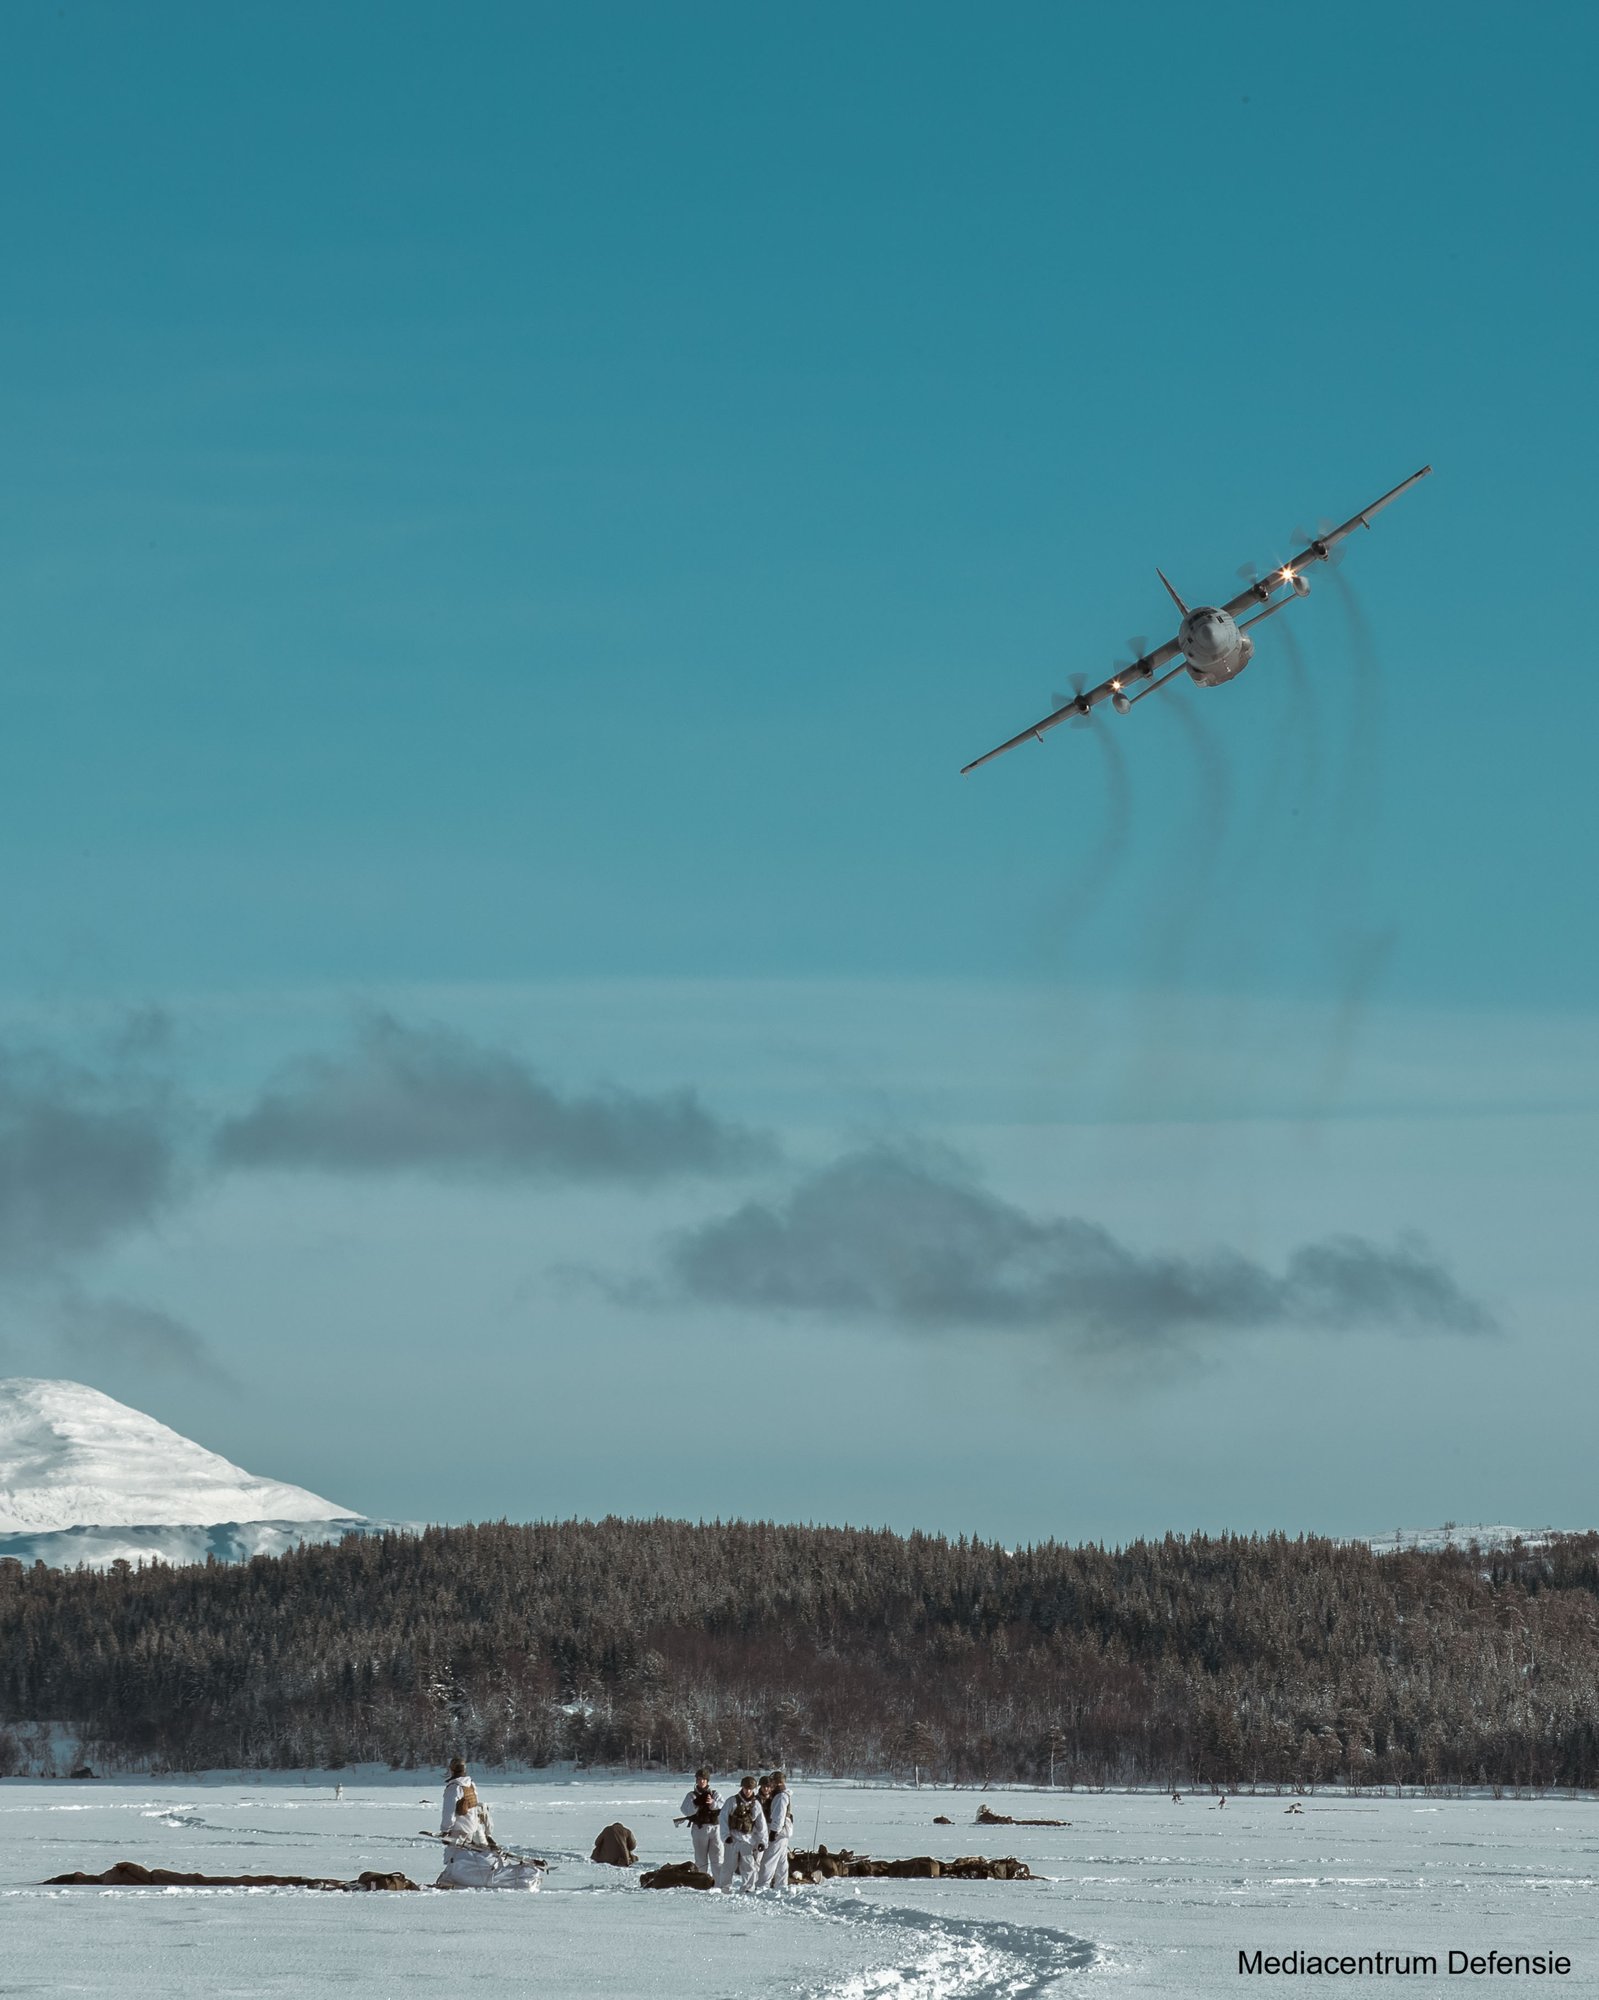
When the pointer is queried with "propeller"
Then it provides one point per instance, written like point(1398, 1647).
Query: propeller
point(1303, 539)
point(1136, 649)
point(1265, 587)
point(1059, 701)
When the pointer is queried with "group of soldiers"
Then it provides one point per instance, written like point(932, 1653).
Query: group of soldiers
point(744, 1838)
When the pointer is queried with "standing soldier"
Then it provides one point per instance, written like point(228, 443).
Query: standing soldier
point(702, 1809)
point(743, 1830)
point(773, 1872)
point(454, 1785)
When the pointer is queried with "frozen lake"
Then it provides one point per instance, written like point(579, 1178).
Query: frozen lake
point(1144, 1896)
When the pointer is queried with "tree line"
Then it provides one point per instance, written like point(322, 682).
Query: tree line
point(1192, 1660)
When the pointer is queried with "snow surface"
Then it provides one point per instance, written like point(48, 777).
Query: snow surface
point(70, 1456)
point(1146, 1897)
point(1453, 1536)
point(226, 1541)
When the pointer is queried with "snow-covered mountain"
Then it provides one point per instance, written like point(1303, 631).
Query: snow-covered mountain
point(75, 1463)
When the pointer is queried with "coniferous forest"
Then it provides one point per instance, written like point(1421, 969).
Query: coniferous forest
point(1230, 1661)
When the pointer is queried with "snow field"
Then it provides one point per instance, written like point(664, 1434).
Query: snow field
point(1147, 1897)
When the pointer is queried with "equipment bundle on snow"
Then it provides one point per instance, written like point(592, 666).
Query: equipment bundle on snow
point(487, 1868)
point(134, 1875)
point(677, 1875)
point(615, 1847)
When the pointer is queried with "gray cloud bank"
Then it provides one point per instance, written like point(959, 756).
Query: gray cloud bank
point(915, 1240)
point(84, 1155)
point(120, 1333)
point(404, 1098)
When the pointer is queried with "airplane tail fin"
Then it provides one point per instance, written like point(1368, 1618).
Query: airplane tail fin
point(1183, 608)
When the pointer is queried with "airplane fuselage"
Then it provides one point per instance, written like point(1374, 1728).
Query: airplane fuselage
point(1213, 647)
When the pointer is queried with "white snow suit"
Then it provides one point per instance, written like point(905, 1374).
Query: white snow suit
point(773, 1871)
point(469, 1860)
point(740, 1850)
point(470, 1829)
point(707, 1838)
point(453, 1788)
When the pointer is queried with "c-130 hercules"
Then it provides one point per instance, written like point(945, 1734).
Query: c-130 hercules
point(1212, 642)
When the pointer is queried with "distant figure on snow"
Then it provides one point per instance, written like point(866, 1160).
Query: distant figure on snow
point(702, 1810)
point(743, 1829)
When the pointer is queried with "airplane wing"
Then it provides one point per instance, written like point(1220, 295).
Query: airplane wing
point(1318, 551)
point(1086, 702)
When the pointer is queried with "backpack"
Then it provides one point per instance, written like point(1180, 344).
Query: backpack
point(741, 1814)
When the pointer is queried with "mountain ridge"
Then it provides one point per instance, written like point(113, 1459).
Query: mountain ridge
point(72, 1457)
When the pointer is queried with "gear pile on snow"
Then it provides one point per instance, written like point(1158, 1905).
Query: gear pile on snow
point(134, 1875)
point(677, 1875)
point(985, 1817)
point(823, 1866)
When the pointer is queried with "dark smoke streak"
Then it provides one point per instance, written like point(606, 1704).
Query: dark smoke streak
point(1183, 903)
point(1092, 876)
point(1358, 792)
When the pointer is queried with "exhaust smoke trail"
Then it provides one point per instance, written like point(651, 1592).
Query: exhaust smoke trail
point(1093, 876)
point(1358, 789)
point(1183, 904)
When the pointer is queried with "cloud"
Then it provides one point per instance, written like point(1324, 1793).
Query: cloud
point(916, 1240)
point(425, 1098)
point(84, 1155)
point(100, 1332)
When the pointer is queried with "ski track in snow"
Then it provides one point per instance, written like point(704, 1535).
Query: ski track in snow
point(921, 1956)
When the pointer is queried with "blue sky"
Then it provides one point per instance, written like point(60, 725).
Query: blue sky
point(511, 522)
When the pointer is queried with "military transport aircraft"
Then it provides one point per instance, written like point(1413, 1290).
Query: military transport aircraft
point(1213, 642)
